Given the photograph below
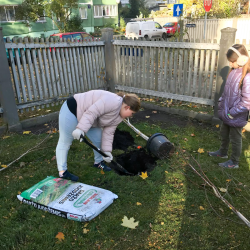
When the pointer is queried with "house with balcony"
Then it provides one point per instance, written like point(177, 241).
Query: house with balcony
point(94, 13)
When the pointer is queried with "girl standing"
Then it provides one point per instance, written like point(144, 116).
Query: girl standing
point(95, 113)
point(234, 105)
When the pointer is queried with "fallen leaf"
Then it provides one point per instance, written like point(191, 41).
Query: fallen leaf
point(20, 177)
point(47, 110)
point(46, 124)
point(154, 112)
point(193, 135)
point(185, 139)
point(60, 236)
point(53, 158)
point(5, 137)
point(139, 147)
point(144, 175)
point(166, 172)
point(22, 164)
point(162, 223)
point(102, 172)
point(202, 208)
point(200, 150)
point(129, 222)
point(4, 166)
point(138, 203)
point(228, 180)
point(221, 210)
point(86, 224)
point(26, 132)
point(243, 130)
point(223, 190)
point(147, 116)
point(217, 126)
point(85, 231)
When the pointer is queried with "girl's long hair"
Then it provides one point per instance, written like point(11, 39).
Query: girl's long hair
point(131, 100)
point(232, 57)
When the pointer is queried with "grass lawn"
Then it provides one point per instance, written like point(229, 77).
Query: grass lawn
point(177, 210)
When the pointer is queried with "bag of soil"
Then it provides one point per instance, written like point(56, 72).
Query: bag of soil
point(68, 199)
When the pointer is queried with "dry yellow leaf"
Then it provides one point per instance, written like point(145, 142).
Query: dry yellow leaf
point(60, 236)
point(217, 126)
point(130, 223)
point(5, 137)
point(85, 231)
point(192, 135)
point(223, 190)
point(138, 203)
point(102, 172)
point(45, 124)
point(147, 116)
point(4, 166)
point(202, 208)
point(144, 175)
point(166, 172)
point(200, 150)
point(162, 223)
point(26, 132)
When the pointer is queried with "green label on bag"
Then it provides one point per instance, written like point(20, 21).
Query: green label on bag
point(46, 190)
point(86, 198)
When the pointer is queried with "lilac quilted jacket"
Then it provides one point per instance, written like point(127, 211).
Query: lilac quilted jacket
point(235, 101)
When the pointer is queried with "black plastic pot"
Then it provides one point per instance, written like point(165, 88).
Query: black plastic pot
point(159, 145)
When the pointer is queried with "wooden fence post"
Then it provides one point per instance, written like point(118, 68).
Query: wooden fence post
point(226, 41)
point(7, 96)
point(107, 37)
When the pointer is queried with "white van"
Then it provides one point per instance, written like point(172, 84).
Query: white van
point(149, 29)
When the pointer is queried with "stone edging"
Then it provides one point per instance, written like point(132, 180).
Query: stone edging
point(186, 113)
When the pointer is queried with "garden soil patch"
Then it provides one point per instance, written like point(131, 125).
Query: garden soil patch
point(122, 140)
point(136, 161)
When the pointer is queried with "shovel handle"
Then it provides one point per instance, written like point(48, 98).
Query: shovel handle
point(103, 154)
point(93, 146)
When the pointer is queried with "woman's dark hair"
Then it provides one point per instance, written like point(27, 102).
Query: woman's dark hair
point(232, 57)
point(132, 100)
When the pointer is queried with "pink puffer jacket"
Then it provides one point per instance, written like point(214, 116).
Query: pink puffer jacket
point(99, 108)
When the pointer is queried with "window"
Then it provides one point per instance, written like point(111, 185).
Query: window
point(98, 11)
point(3, 17)
point(157, 26)
point(42, 19)
point(7, 13)
point(83, 12)
point(110, 10)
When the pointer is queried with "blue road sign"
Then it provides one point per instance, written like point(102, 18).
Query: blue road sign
point(178, 8)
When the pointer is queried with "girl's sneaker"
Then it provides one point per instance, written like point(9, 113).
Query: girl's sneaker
point(102, 166)
point(218, 154)
point(229, 164)
point(67, 175)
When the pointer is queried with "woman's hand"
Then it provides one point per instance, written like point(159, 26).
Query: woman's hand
point(109, 157)
point(77, 134)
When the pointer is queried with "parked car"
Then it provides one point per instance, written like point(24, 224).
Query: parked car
point(149, 29)
point(171, 28)
point(74, 35)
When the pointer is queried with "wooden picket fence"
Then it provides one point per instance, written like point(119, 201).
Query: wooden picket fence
point(48, 71)
point(175, 70)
